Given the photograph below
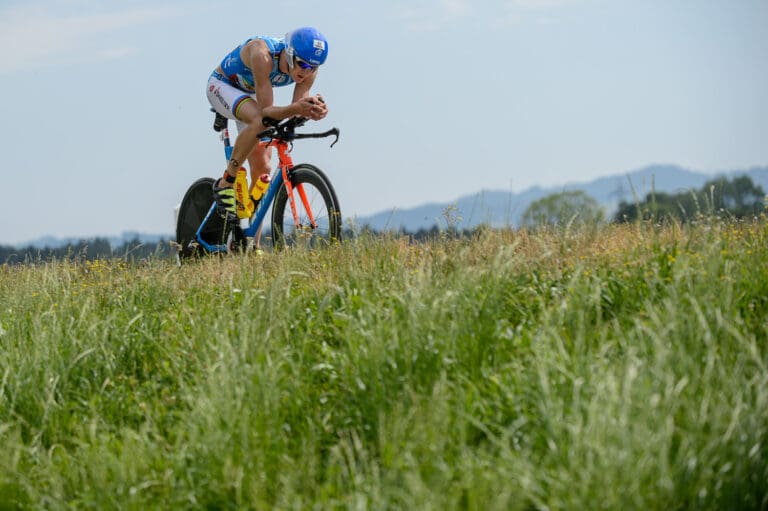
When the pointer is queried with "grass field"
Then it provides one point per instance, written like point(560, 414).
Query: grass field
point(620, 367)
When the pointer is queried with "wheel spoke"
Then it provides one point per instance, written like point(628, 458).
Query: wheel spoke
point(317, 202)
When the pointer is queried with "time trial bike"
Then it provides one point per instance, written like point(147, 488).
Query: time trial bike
point(305, 208)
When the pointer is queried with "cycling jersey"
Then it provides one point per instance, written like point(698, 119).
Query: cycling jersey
point(236, 73)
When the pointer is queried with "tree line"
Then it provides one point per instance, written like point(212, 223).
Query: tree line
point(735, 198)
point(91, 249)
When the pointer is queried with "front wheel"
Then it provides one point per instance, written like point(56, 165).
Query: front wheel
point(321, 201)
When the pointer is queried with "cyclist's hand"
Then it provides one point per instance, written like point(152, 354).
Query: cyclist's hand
point(312, 107)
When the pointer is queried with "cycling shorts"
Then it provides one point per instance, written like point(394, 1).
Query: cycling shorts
point(226, 99)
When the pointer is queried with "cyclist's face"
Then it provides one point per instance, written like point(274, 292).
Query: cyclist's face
point(302, 70)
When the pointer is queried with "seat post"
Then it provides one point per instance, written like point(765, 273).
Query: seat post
point(220, 126)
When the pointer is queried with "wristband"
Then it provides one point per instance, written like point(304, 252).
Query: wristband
point(229, 178)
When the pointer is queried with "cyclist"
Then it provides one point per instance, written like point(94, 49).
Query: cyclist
point(240, 88)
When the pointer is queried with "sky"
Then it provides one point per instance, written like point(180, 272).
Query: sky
point(104, 121)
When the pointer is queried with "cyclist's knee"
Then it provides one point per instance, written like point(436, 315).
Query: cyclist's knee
point(248, 112)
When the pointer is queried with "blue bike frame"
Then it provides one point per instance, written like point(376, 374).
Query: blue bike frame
point(260, 213)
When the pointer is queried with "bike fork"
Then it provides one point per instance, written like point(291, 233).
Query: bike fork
point(289, 187)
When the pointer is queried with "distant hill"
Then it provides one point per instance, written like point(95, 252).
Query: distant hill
point(498, 208)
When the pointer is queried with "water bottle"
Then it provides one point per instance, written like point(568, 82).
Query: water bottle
point(260, 186)
point(244, 203)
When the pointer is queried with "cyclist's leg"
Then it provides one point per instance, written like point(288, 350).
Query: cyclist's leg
point(247, 142)
point(259, 162)
point(236, 104)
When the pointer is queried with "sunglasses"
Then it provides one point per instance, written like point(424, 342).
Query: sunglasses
point(304, 64)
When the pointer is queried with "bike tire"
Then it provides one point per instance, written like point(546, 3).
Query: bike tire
point(194, 207)
point(323, 203)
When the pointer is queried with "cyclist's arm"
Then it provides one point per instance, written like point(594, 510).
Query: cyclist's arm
point(317, 108)
point(256, 55)
point(301, 90)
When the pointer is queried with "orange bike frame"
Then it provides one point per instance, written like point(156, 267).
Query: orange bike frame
point(285, 165)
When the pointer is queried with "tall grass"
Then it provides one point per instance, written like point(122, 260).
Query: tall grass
point(621, 367)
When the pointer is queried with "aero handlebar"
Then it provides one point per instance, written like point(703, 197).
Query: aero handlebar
point(285, 130)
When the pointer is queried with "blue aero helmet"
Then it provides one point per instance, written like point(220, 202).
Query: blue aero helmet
point(308, 44)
